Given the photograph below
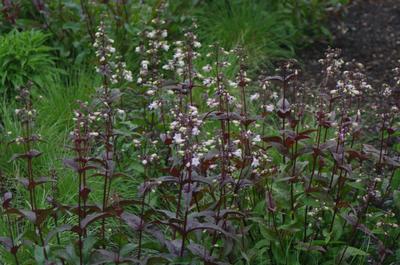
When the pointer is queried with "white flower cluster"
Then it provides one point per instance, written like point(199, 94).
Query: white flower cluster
point(346, 87)
point(332, 62)
point(186, 125)
point(184, 52)
point(386, 91)
point(149, 159)
point(396, 78)
point(152, 49)
point(121, 72)
point(353, 84)
point(83, 120)
point(27, 113)
point(105, 52)
point(185, 128)
point(104, 49)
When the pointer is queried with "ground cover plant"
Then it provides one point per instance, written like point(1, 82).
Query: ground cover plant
point(187, 158)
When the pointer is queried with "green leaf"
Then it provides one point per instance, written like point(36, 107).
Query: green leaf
point(398, 255)
point(39, 255)
point(294, 226)
point(396, 180)
point(356, 185)
point(262, 244)
point(88, 245)
point(396, 198)
point(260, 208)
point(137, 167)
point(352, 251)
point(267, 233)
point(278, 254)
point(125, 250)
point(74, 26)
point(325, 31)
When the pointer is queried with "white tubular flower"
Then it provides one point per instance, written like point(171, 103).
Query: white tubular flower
point(270, 108)
point(257, 138)
point(254, 97)
point(195, 131)
point(154, 105)
point(165, 47)
point(207, 68)
point(195, 161)
point(255, 162)
point(238, 153)
point(197, 44)
point(178, 138)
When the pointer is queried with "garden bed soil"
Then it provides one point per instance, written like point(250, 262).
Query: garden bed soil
point(367, 31)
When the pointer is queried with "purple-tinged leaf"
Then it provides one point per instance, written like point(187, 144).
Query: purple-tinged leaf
point(129, 260)
point(225, 213)
point(110, 167)
point(6, 242)
point(202, 179)
point(32, 184)
point(271, 205)
point(242, 183)
point(7, 197)
point(206, 213)
point(187, 195)
point(276, 139)
point(72, 164)
point(90, 208)
point(147, 186)
point(156, 233)
point(94, 217)
point(121, 203)
point(307, 132)
point(118, 175)
point(327, 145)
point(275, 78)
point(42, 214)
point(283, 107)
point(169, 214)
point(88, 220)
point(28, 155)
point(371, 150)
point(347, 168)
point(192, 226)
point(133, 221)
point(200, 251)
point(391, 161)
point(102, 256)
point(338, 157)
point(55, 231)
point(155, 260)
point(352, 220)
point(353, 154)
point(29, 215)
point(174, 247)
point(301, 137)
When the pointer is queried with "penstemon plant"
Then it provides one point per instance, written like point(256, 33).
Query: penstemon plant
point(193, 160)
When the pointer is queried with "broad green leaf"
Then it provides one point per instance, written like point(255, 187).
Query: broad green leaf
point(396, 180)
point(352, 251)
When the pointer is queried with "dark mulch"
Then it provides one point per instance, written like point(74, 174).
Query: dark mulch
point(367, 31)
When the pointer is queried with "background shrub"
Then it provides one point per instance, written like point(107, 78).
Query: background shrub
point(24, 56)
